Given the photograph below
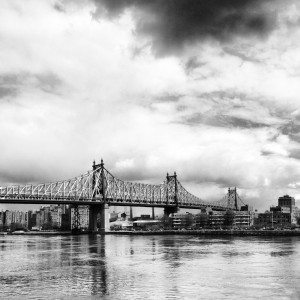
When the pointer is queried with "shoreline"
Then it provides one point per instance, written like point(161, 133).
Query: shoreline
point(41, 233)
point(202, 232)
point(209, 232)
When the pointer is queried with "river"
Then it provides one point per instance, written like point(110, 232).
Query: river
point(149, 267)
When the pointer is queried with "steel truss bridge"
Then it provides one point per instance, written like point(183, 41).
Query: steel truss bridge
point(99, 186)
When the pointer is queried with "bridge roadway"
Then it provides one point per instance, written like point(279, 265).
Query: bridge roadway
point(108, 202)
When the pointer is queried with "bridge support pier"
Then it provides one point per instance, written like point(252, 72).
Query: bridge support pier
point(170, 210)
point(153, 213)
point(95, 210)
point(104, 218)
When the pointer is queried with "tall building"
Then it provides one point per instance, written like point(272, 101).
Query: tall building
point(39, 222)
point(19, 218)
point(8, 218)
point(2, 219)
point(288, 202)
point(83, 216)
point(56, 216)
point(31, 219)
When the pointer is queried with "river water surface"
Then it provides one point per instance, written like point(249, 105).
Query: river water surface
point(149, 267)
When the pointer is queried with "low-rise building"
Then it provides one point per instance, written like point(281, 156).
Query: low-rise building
point(241, 219)
point(284, 215)
point(274, 218)
point(146, 224)
point(180, 220)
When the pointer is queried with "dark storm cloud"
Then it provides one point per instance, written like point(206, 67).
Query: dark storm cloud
point(174, 23)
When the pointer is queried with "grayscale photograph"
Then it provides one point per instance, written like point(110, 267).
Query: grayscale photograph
point(150, 149)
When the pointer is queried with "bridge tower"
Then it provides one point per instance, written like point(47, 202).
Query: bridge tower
point(99, 195)
point(171, 194)
point(232, 198)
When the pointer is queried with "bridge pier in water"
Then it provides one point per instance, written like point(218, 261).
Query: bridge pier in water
point(101, 210)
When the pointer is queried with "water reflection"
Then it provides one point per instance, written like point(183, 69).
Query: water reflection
point(150, 267)
point(99, 268)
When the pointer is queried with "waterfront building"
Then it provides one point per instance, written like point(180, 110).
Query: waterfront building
point(20, 218)
point(297, 213)
point(180, 220)
point(14, 219)
point(216, 219)
point(39, 222)
point(46, 217)
point(281, 216)
point(146, 224)
point(31, 219)
point(288, 202)
point(2, 219)
point(8, 218)
point(274, 218)
point(278, 217)
point(201, 220)
point(243, 218)
point(56, 216)
point(83, 217)
point(212, 219)
point(66, 220)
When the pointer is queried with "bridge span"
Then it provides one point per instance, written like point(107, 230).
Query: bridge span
point(99, 189)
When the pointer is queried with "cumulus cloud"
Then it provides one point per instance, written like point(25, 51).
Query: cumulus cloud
point(77, 85)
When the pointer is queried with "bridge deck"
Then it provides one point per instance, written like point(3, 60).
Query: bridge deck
point(110, 203)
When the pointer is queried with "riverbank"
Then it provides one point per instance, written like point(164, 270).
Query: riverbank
point(203, 232)
point(209, 232)
point(44, 233)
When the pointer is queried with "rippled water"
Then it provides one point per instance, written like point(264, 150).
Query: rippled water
point(149, 267)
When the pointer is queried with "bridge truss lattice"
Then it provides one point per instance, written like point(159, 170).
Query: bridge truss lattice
point(100, 186)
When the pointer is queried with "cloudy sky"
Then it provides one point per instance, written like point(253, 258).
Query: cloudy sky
point(209, 88)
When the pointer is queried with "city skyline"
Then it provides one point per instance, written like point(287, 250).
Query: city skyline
point(153, 90)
